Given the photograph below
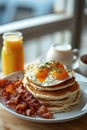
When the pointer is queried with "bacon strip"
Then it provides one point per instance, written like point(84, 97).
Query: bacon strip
point(17, 95)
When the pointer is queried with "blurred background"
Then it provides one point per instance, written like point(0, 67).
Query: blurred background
point(44, 22)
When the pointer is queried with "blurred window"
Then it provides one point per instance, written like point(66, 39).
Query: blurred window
point(46, 21)
point(13, 10)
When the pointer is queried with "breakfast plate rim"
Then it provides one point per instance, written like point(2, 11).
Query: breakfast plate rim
point(75, 113)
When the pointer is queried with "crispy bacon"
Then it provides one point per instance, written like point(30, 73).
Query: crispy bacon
point(21, 108)
point(43, 112)
point(30, 112)
point(4, 83)
point(14, 100)
point(10, 88)
point(17, 95)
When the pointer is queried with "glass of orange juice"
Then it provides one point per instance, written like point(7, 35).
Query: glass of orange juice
point(12, 52)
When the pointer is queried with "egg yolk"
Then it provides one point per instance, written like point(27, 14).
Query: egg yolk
point(60, 66)
point(41, 73)
point(60, 74)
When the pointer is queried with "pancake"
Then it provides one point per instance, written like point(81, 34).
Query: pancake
point(58, 93)
point(65, 107)
point(54, 95)
point(61, 102)
point(65, 84)
point(57, 109)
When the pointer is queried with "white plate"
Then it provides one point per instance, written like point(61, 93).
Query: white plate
point(76, 112)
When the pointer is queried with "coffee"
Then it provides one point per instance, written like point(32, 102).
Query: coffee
point(83, 64)
point(84, 59)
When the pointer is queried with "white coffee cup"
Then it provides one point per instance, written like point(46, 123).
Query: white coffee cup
point(83, 64)
point(63, 53)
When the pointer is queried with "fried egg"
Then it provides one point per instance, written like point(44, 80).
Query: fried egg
point(49, 73)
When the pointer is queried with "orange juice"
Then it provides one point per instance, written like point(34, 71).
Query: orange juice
point(12, 52)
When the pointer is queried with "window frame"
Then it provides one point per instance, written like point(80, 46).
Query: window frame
point(49, 23)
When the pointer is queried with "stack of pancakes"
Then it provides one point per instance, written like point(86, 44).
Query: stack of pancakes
point(58, 97)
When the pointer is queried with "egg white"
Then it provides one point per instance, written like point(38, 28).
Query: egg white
point(50, 80)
